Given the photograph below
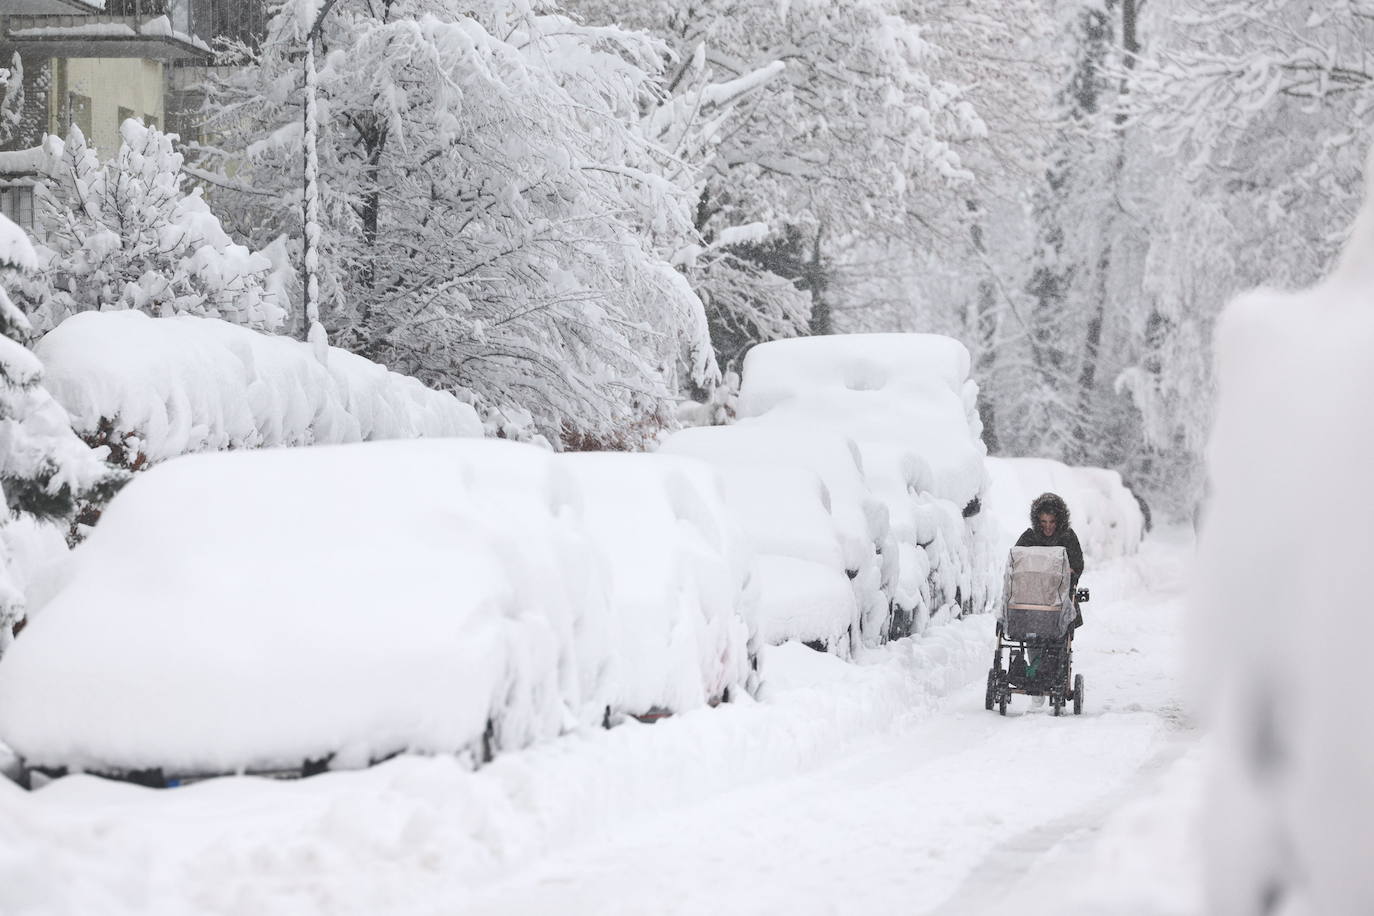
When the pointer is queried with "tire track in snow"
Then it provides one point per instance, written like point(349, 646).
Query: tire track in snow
point(996, 879)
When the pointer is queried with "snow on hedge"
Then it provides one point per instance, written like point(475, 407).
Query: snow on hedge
point(805, 507)
point(1284, 594)
point(262, 608)
point(907, 403)
point(176, 385)
point(1103, 512)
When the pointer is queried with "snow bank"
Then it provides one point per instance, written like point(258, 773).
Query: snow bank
point(1104, 513)
point(1284, 594)
point(172, 386)
point(907, 403)
point(259, 609)
point(427, 835)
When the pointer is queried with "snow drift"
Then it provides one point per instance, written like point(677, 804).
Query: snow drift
point(1284, 594)
point(1104, 513)
point(170, 386)
point(259, 609)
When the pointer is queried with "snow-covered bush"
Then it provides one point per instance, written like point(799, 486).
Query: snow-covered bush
point(805, 507)
point(1283, 597)
point(493, 215)
point(258, 609)
point(1105, 514)
point(907, 403)
point(128, 234)
point(44, 468)
point(154, 388)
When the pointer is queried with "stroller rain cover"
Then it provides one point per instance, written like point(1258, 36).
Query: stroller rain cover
point(1038, 598)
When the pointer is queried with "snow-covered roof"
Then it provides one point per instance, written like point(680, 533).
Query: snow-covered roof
point(23, 162)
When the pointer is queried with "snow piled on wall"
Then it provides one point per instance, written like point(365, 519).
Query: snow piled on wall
point(1103, 512)
point(176, 385)
point(259, 609)
point(1284, 595)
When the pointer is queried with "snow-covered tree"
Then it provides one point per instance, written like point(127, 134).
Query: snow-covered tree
point(1250, 120)
point(494, 216)
point(44, 468)
point(129, 233)
point(842, 143)
point(11, 98)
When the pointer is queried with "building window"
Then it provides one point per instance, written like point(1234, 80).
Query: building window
point(124, 115)
point(16, 203)
point(79, 112)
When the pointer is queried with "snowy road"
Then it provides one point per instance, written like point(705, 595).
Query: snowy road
point(953, 812)
point(882, 787)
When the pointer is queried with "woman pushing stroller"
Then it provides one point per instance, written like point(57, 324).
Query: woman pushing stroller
point(1049, 516)
point(1040, 613)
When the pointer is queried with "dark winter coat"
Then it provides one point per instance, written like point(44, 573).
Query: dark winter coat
point(1051, 504)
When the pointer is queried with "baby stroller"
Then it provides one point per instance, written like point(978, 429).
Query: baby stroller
point(1036, 628)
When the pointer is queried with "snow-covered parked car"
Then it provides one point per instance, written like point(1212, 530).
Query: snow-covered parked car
point(298, 609)
point(815, 532)
point(907, 403)
point(676, 578)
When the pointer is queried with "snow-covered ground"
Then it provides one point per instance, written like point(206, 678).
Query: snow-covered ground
point(880, 786)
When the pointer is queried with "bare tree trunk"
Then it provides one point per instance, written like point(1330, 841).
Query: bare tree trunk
point(982, 329)
point(821, 321)
point(1092, 345)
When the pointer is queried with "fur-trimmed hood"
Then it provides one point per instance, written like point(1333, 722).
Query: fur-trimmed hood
point(1053, 504)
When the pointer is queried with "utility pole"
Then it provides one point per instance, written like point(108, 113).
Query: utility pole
point(310, 262)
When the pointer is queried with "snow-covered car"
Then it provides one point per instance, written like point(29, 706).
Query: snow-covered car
point(297, 609)
point(1106, 515)
point(675, 574)
point(816, 532)
point(908, 405)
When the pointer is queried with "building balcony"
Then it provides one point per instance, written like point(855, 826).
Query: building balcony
point(148, 29)
point(52, 7)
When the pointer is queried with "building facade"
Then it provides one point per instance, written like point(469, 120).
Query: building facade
point(96, 63)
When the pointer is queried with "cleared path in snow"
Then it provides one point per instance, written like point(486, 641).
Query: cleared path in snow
point(951, 813)
point(878, 787)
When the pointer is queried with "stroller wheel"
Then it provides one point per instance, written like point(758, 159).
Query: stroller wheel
point(991, 695)
point(1002, 697)
point(1057, 702)
point(1078, 694)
